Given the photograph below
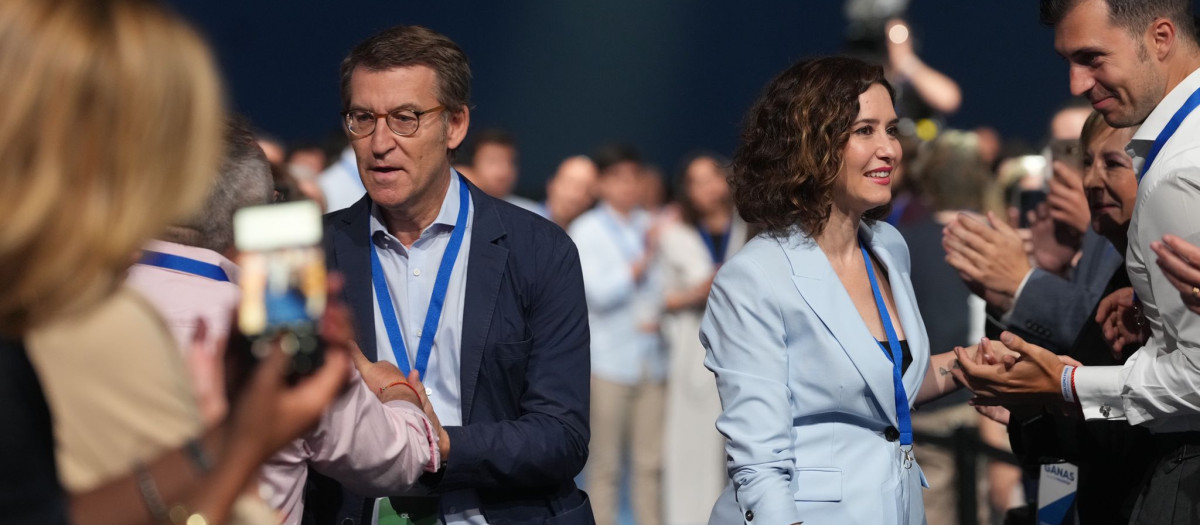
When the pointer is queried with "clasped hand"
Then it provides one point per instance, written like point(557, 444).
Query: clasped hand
point(1023, 373)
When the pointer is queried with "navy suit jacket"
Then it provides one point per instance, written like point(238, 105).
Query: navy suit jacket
point(525, 361)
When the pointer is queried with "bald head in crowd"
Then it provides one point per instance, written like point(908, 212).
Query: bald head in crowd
point(572, 189)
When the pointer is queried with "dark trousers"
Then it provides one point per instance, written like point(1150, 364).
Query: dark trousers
point(1171, 494)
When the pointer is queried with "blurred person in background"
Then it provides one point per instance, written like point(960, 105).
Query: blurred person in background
point(624, 295)
point(493, 167)
point(653, 194)
point(951, 177)
point(570, 191)
point(111, 115)
point(273, 148)
point(482, 300)
point(305, 161)
point(339, 183)
point(690, 250)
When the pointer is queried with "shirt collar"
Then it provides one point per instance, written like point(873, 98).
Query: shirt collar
point(1165, 109)
point(447, 217)
point(199, 254)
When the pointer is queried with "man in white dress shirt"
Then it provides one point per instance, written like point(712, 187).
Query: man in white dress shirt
point(1137, 62)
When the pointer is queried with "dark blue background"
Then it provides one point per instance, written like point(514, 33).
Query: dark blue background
point(668, 76)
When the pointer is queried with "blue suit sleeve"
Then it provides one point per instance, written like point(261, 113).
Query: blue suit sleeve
point(745, 342)
point(548, 443)
point(1051, 310)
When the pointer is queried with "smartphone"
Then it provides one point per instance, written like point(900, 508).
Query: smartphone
point(283, 281)
point(1029, 199)
point(1069, 152)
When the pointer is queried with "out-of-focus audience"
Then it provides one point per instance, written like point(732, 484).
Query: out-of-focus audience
point(708, 232)
point(617, 243)
point(118, 156)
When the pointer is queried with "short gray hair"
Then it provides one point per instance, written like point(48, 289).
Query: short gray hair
point(244, 180)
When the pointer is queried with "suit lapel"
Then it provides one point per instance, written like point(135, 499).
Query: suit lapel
point(909, 313)
point(485, 271)
point(354, 261)
point(823, 291)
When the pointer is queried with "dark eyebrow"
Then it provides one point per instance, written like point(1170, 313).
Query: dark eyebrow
point(875, 122)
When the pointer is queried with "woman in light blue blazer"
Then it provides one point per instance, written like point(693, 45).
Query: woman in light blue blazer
point(816, 385)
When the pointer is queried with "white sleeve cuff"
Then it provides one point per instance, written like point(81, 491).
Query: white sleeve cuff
point(1099, 392)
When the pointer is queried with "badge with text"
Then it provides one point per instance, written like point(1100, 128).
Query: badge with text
point(1056, 494)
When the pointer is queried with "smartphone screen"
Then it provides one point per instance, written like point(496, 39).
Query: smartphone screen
point(282, 280)
point(1029, 199)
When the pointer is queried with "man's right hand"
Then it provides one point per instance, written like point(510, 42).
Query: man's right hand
point(382, 378)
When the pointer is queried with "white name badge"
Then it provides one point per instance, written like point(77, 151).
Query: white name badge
point(1056, 494)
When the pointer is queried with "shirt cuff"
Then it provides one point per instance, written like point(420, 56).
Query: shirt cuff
point(1099, 392)
point(431, 435)
point(1007, 316)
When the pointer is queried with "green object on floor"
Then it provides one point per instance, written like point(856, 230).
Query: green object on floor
point(413, 511)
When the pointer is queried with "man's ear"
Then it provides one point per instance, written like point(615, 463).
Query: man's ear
point(456, 127)
point(1162, 38)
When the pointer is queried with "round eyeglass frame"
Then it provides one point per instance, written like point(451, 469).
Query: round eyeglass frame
point(391, 121)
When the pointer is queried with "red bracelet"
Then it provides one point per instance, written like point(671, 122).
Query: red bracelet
point(1075, 391)
point(406, 384)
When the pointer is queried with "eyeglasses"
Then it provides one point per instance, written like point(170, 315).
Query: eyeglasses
point(403, 122)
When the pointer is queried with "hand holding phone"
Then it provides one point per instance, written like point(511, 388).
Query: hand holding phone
point(283, 280)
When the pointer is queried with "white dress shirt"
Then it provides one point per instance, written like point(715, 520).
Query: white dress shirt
point(1159, 386)
point(410, 274)
point(623, 313)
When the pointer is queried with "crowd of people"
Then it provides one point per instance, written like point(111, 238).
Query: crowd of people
point(788, 335)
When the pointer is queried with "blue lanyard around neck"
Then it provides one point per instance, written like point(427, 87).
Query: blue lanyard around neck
point(896, 356)
point(184, 264)
point(630, 252)
point(717, 257)
point(433, 315)
point(1169, 130)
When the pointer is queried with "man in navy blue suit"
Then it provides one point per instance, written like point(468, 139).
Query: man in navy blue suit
point(480, 298)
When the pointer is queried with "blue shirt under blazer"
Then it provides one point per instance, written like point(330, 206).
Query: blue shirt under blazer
point(525, 364)
point(806, 391)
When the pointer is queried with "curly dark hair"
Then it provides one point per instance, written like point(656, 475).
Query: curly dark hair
point(790, 151)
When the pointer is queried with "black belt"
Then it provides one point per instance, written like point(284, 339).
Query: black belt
point(1168, 442)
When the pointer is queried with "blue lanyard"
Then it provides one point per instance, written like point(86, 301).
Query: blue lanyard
point(717, 257)
point(897, 356)
point(433, 315)
point(184, 264)
point(1169, 130)
point(618, 235)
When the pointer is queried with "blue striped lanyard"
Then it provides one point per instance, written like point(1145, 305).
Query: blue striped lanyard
point(1169, 130)
point(717, 257)
point(896, 356)
point(433, 315)
point(183, 264)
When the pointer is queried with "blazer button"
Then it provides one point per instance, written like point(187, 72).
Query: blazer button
point(891, 434)
point(749, 515)
point(348, 521)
